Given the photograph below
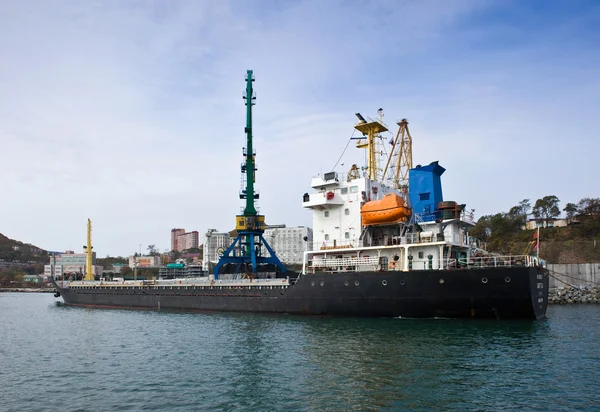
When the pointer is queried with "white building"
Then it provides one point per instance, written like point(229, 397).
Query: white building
point(288, 242)
point(214, 246)
point(70, 263)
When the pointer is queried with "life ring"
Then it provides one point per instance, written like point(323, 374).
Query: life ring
point(330, 195)
point(375, 190)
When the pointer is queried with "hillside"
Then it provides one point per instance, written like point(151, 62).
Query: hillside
point(13, 250)
point(576, 243)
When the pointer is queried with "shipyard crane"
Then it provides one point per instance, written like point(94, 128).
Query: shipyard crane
point(402, 152)
point(89, 264)
point(371, 131)
point(245, 254)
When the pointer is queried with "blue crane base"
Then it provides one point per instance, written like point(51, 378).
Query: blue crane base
point(246, 251)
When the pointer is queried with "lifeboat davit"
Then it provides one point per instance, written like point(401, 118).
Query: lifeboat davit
point(391, 209)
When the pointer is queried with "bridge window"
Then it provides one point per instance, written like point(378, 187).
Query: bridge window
point(346, 211)
point(353, 189)
point(326, 237)
point(344, 191)
point(347, 235)
point(420, 255)
point(326, 213)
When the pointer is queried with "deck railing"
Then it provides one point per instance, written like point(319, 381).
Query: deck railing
point(497, 261)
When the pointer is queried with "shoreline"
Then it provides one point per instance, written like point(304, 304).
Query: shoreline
point(28, 290)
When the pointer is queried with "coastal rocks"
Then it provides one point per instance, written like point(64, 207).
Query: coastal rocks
point(574, 294)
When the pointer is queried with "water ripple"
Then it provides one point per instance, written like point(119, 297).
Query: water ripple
point(54, 357)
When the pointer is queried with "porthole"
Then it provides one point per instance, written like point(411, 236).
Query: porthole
point(507, 279)
point(322, 283)
point(346, 283)
point(441, 281)
point(484, 280)
point(384, 282)
point(357, 283)
point(402, 283)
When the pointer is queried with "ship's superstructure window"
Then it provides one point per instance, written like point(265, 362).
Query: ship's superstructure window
point(326, 213)
point(353, 189)
point(424, 196)
point(344, 190)
point(347, 235)
point(326, 237)
point(420, 255)
point(346, 211)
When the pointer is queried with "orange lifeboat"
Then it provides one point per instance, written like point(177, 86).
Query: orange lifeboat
point(390, 209)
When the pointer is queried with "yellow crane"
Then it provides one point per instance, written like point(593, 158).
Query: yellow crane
point(402, 150)
point(89, 266)
point(399, 161)
point(371, 130)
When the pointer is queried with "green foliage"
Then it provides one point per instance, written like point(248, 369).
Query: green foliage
point(571, 210)
point(13, 250)
point(589, 207)
point(546, 208)
point(572, 244)
point(109, 261)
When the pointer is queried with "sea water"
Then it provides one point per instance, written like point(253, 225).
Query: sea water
point(58, 358)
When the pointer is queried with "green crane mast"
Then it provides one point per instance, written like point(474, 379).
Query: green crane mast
point(245, 254)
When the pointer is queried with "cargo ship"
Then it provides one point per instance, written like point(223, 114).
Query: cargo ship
point(385, 244)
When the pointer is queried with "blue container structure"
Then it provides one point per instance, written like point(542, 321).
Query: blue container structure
point(425, 190)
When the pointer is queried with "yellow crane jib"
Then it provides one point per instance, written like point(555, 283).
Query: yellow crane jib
point(89, 265)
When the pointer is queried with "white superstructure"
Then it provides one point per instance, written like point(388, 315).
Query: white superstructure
point(389, 234)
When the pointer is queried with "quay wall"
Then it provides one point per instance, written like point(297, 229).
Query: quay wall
point(574, 283)
point(579, 274)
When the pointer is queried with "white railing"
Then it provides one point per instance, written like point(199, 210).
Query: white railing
point(345, 262)
point(436, 264)
point(497, 261)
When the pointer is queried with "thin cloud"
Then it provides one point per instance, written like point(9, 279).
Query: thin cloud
point(131, 113)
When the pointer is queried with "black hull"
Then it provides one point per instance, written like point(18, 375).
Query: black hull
point(499, 293)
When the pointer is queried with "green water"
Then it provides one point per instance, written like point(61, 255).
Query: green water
point(56, 358)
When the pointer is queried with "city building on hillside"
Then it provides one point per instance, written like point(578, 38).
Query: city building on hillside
point(174, 234)
point(547, 223)
point(215, 244)
point(69, 263)
point(182, 240)
point(144, 261)
point(288, 242)
point(188, 241)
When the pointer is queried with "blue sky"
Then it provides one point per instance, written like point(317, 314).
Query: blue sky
point(130, 112)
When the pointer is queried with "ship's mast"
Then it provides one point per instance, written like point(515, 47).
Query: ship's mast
point(371, 130)
point(402, 149)
point(250, 98)
point(245, 252)
point(89, 268)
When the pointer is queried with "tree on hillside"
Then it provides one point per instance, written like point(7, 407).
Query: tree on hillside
point(571, 210)
point(152, 250)
point(546, 208)
point(589, 206)
point(520, 212)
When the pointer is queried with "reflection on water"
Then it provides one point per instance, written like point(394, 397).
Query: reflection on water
point(136, 360)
